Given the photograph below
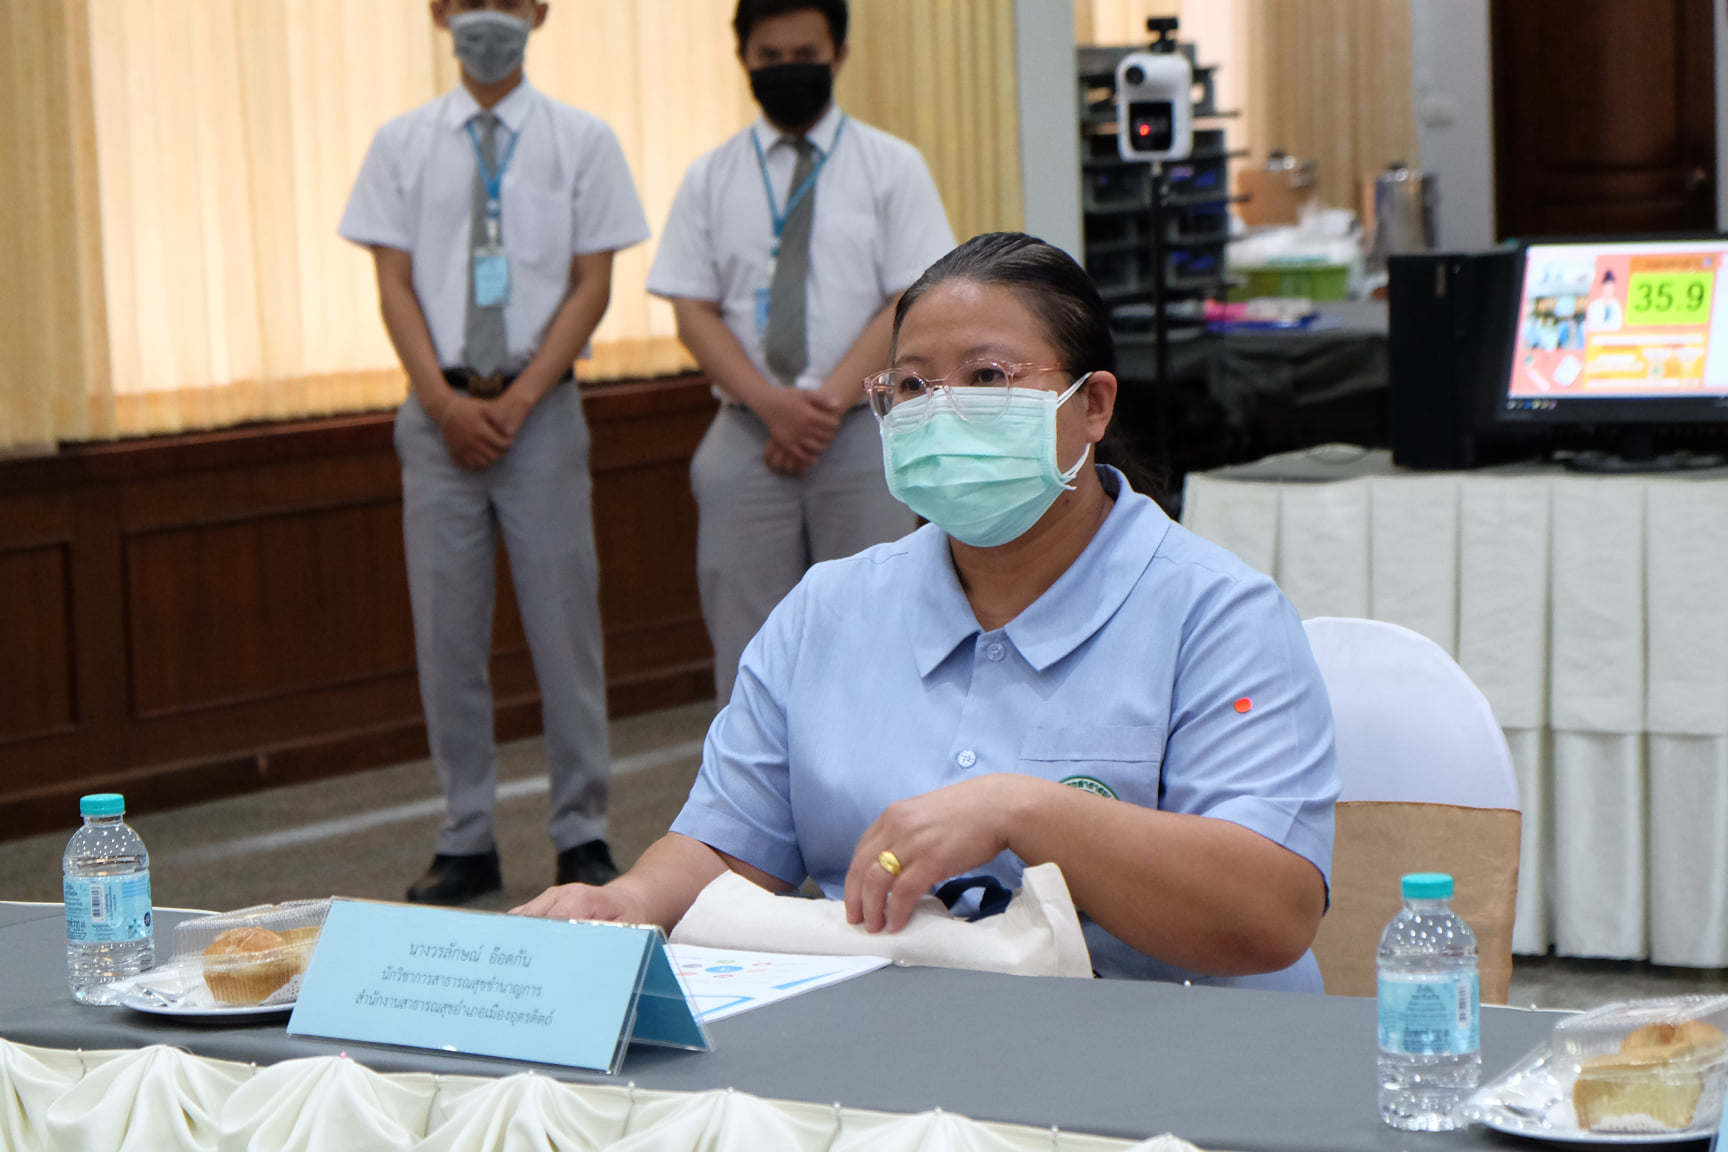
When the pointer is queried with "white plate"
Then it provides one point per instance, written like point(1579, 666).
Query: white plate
point(1534, 1100)
point(141, 1003)
point(162, 992)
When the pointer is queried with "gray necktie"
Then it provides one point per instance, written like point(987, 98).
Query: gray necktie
point(484, 347)
point(783, 345)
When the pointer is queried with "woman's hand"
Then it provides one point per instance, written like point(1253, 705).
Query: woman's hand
point(582, 902)
point(935, 836)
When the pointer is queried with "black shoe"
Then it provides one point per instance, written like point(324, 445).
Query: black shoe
point(589, 863)
point(457, 879)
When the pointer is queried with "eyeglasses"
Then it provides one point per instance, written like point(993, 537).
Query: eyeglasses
point(898, 385)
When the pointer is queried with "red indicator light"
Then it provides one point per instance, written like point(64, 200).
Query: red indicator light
point(1145, 129)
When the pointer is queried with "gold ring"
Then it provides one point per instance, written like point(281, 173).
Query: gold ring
point(890, 862)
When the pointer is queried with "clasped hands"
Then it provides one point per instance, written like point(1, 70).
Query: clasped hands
point(801, 424)
point(948, 832)
point(479, 432)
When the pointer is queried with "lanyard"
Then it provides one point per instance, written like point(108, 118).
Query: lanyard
point(494, 180)
point(797, 195)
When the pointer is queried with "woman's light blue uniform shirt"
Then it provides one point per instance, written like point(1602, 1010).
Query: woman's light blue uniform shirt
point(872, 682)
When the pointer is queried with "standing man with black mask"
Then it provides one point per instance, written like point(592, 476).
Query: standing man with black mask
point(783, 255)
point(492, 214)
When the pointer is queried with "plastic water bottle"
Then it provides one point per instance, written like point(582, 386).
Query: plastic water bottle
point(106, 876)
point(1430, 1010)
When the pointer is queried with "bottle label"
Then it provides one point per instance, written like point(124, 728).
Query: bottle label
point(107, 909)
point(1430, 1014)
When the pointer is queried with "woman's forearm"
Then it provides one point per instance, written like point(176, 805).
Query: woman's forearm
point(1200, 893)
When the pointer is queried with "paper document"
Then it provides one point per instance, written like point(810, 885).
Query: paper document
point(724, 982)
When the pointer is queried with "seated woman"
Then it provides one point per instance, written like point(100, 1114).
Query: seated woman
point(1050, 670)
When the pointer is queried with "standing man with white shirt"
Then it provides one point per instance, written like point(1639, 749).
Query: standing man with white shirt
point(783, 255)
point(493, 213)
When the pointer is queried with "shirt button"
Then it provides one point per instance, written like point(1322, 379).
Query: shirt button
point(967, 758)
point(995, 651)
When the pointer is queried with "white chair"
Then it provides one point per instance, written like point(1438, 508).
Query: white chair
point(1427, 786)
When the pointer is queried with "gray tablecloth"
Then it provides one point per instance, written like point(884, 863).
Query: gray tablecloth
point(1224, 1069)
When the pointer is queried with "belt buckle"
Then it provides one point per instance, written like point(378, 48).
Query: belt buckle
point(485, 387)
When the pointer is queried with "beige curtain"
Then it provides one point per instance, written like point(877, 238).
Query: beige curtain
point(664, 75)
point(227, 132)
point(186, 163)
point(1329, 81)
point(53, 356)
point(1326, 80)
point(1124, 21)
point(941, 74)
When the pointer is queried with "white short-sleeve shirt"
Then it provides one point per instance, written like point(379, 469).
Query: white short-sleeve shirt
point(879, 223)
point(567, 192)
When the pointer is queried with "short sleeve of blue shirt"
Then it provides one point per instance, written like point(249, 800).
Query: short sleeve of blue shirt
point(1159, 670)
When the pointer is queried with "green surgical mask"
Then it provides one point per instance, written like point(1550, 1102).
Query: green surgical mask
point(979, 463)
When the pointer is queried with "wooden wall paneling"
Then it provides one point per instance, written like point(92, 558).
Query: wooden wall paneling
point(236, 491)
point(657, 650)
point(36, 632)
point(234, 611)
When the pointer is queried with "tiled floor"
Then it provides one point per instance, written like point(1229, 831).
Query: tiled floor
point(370, 835)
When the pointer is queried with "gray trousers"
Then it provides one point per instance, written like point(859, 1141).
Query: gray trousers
point(537, 496)
point(758, 530)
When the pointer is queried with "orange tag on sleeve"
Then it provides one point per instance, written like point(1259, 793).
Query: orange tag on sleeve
point(1244, 704)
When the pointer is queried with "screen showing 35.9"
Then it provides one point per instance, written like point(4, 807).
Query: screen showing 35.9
point(1621, 319)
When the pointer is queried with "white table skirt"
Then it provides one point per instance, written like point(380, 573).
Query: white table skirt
point(164, 1100)
point(1592, 612)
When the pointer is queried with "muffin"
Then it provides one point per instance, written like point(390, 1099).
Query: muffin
point(301, 942)
point(1658, 1073)
point(244, 965)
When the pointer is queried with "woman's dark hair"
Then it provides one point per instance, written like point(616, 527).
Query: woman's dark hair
point(1076, 320)
point(1046, 280)
point(752, 12)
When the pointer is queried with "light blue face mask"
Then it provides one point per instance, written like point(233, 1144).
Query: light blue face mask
point(489, 44)
point(979, 465)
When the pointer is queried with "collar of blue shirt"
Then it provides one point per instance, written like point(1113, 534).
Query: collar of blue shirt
point(822, 135)
point(1070, 611)
point(512, 111)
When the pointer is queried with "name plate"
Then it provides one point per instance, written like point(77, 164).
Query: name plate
point(574, 993)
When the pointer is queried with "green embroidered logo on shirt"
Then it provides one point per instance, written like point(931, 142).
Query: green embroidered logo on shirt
point(1089, 784)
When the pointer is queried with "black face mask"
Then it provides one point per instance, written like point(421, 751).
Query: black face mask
point(792, 95)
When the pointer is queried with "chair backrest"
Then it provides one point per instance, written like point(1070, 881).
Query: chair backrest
point(1427, 786)
point(1411, 727)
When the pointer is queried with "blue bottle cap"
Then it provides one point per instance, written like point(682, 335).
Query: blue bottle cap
point(1427, 886)
point(102, 804)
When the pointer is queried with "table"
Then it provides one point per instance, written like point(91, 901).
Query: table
point(1590, 611)
point(1242, 394)
point(1222, 1068)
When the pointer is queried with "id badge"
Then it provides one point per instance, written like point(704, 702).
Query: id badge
point(762, 298)
point(764, 294)
point(491, 277)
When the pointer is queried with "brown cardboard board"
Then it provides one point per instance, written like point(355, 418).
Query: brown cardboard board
point(1376, 843)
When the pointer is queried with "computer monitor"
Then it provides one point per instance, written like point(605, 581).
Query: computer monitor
point(1622, 336)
